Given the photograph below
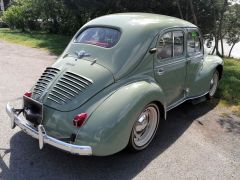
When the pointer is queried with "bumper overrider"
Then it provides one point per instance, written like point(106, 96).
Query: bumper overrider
point(42, 136)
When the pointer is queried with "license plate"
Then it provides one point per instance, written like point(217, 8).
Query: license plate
point(33, 110)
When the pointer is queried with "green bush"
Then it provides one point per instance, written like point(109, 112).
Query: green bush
point(21, 15)
point(2, 23)
point(45, 15)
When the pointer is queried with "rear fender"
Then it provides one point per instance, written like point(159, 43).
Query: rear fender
point(108, 128)
point(202, 80)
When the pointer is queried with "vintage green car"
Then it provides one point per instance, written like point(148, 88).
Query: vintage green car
point(115, 81)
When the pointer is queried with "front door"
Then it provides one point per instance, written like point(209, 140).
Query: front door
point(170, 65)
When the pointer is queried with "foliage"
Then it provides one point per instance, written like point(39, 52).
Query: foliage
point(47, 15)
point(20, 15)
point(233, 26)
point(229, 89)
point(66, 16)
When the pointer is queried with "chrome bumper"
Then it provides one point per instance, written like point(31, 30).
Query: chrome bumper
point(42, 137)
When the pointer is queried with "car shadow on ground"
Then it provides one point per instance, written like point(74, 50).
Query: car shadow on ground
point(230, 123)
point(27, 162)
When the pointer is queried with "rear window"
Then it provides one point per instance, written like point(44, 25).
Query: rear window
point(99, 36)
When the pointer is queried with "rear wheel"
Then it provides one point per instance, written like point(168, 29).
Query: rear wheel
point(213, 85)
point(144, 128)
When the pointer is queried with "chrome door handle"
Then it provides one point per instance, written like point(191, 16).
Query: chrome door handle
point(160, 71)
point(188, 60)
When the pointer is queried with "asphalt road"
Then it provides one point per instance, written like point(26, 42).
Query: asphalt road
point(197, 142)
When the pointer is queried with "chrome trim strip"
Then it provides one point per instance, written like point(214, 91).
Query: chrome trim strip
point(171, 63)
point(189, 98)
point(42, 137)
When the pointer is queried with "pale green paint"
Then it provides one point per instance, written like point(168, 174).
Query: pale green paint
point(124, 81)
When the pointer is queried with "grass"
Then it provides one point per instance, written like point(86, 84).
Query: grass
point(53, 43)
point(229, 88)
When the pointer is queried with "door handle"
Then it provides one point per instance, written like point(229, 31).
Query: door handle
point(160, 71)
point(188, 60)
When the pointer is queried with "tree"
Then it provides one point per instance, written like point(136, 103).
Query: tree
point(20, 15)
point(219, 8)
point(233, 26)
point(2, 5)
point(66, 16)
point(193, 12)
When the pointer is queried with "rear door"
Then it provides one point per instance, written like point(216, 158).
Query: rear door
point(195, 59)
point(170, 65)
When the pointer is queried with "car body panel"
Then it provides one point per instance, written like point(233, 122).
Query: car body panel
point(71, 71)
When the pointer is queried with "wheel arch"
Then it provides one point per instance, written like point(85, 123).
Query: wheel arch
point(162, 110)
point(219, 68)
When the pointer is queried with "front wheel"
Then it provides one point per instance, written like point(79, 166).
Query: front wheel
point(144, 128)
point(213, 85)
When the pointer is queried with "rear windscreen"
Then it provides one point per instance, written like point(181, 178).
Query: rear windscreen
point(99, 36)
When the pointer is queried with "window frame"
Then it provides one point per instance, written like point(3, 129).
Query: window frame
point(183, 33)
point(189, 30)
point(162, 33)
point(97, 26)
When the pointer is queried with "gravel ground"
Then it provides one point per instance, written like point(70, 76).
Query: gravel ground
point(197, 142)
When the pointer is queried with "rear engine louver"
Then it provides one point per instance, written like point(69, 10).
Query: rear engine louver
point(67, 87)
point(44, 80)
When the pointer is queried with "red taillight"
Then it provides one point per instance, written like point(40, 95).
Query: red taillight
point(28, 94)
point(79, 119)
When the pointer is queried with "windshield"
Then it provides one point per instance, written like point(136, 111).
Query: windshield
point(99, 36)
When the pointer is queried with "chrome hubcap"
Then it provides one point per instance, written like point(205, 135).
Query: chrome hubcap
point(213, 84)
point(145, 126)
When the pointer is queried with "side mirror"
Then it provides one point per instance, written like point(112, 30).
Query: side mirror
point(153, 50)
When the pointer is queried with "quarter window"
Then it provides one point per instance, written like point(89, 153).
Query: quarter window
point(170, 45)
point(193, 42)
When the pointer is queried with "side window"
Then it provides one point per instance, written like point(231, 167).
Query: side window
point(193, 42)
point(164, 46)
point(178, 43)
point(170, 44)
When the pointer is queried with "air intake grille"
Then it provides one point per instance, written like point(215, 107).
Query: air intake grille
point(44, 80)
point(68, 86)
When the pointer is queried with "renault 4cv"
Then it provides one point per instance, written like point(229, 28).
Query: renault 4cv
point(117, 78)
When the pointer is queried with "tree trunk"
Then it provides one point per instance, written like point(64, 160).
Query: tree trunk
point(222, 46)
point(215, 29)
point(193, 12)
point(219, 34)
point(186, 17)
point(2, 5)
point(179, 9)
point(213, 50)
point(231, 50)
point(222, 37)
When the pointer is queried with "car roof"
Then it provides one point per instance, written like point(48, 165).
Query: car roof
point(138, 33)
point(140, 21)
